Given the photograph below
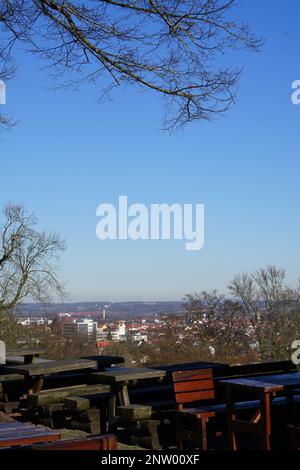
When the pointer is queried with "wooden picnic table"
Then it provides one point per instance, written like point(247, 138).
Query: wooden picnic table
point(21, 434)
point(27, 353)
point(35, 373)
point(266, 387)
point(118, 379)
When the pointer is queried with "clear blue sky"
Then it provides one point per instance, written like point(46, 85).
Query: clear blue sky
point(69, 153)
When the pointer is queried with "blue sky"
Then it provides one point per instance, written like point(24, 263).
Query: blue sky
point(69, 153)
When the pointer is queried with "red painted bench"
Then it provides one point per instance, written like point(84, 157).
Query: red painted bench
point(20, 434)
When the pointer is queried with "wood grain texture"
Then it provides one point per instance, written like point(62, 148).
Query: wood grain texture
point(126, 375)
point(52, 367)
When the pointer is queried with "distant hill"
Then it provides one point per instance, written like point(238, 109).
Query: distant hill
point(113, 309)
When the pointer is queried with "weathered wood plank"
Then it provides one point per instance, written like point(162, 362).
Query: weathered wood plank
point(52, 367)
point(74, 403)
point(134, 412)
point(10, 377)
point(127, 375)
point(58, 395)
point(24, 352)
point(254, 384)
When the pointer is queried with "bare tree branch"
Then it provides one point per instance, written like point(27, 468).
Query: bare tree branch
point(168, 47)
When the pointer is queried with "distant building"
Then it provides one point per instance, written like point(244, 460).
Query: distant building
point(30, 321)
point(106, 333)
point(139, 337)
point(86, 328)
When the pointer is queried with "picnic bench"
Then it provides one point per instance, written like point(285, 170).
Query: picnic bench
point(28, 354)
point(57, 395)
point(35, 373)
point(118, 380)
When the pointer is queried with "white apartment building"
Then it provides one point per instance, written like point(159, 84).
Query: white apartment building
point(85, 327)
point(117, 334)
point(30, 321)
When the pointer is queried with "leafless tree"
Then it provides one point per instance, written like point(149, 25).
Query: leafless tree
point(272, 307)
point(27, 259)
point(204, 304)
point(171, 47)
point(219, 327)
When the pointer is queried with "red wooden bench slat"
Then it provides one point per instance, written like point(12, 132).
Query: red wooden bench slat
point(184, 375)
point(189, 397)
point(194, 386)
point(190, 386)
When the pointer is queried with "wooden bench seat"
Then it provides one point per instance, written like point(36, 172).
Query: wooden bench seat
point(85, 401)
point(57, 395)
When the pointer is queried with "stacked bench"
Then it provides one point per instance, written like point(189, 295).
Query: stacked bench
point(85, 409)
point(80, 407)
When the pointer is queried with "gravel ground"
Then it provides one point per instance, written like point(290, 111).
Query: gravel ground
point(73, 433)
point(4, 418)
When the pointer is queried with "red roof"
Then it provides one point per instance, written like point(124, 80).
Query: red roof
point(103, 344)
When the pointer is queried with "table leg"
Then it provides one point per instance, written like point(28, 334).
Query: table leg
point(112, 408)
point(123, 395)
point(38, 385)
point(230, 418)
point(118, 392)
point(265, 420)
